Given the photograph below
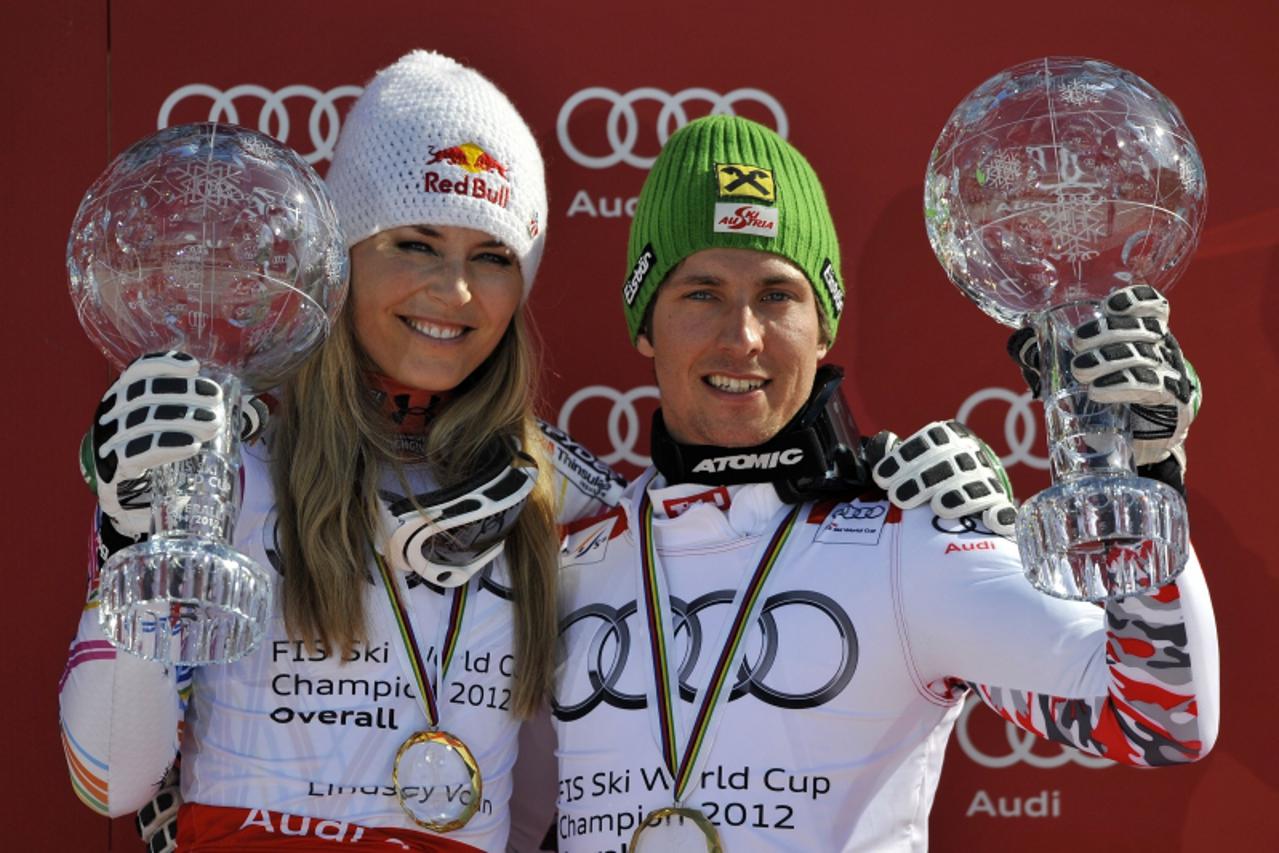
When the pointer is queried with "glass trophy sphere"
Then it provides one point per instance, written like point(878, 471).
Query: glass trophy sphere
point(1060, 180)
point(214, 240)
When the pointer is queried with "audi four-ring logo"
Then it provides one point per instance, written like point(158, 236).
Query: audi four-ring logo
point(1021, 747)
point(273, 114)
point(1020, 424)
point(622, 127)
point(623, 422)
point(856, 512)
point(609, 652)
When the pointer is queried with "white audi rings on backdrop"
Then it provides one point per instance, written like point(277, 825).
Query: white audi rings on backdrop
point(1021, 424)
point(623, 415)
point(273, 117)
point(622, 128)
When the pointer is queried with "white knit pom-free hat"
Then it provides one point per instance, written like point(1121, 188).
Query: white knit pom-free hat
point(432, 142)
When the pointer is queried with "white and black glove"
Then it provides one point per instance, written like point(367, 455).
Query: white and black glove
point(158, 411)
point(157, 821)
point(1130, 357)
point(950, 467)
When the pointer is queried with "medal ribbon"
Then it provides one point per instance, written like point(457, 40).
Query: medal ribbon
point(661, 638)
point(447, 646)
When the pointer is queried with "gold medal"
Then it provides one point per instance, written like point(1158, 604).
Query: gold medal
point(676, 829)
point(437, 781)
point(435, 776)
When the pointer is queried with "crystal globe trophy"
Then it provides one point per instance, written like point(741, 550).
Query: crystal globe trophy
point(1053, 184)
point(222, 243)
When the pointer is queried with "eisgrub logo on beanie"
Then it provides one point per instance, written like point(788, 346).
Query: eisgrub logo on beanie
point(485, 176)
point(746, 219)
point(643, 265)
point(834, 289)
point(741, 180)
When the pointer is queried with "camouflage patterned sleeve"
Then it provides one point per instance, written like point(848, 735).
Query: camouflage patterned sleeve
point(1153, 713)
point(1136, 682)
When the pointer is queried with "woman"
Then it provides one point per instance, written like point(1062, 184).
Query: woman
point(421, 398)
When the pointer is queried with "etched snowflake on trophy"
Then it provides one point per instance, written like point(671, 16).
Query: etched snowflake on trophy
point(1054, 183)
point(221, 243)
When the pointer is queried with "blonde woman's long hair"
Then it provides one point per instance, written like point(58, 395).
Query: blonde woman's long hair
point(331, 446)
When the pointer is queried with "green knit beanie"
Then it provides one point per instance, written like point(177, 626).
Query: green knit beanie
point(723, 182)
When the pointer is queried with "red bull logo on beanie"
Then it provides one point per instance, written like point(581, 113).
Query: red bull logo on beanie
point(486, 175)
point(468, 156)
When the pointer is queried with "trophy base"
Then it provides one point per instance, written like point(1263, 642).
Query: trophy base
point(1103, 538)
point(184, 601)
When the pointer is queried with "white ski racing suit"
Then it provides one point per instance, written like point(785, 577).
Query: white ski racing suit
point(874, 624)
point(290, 744)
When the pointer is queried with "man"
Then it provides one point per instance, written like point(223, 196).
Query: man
point(751, 656)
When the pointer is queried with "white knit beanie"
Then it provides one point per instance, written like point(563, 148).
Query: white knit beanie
point(432, 142)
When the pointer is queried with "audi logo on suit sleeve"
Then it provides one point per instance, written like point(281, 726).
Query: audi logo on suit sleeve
point(611, 647)
point(621, 130)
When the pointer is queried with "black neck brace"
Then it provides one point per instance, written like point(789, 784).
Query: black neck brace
point(789, 454)
point(817, 454)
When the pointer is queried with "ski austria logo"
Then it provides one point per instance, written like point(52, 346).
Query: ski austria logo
point(744, 181)
point(238, 104)
point(746, 219)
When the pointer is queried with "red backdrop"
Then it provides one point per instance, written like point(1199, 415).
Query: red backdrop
point(864, 93)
